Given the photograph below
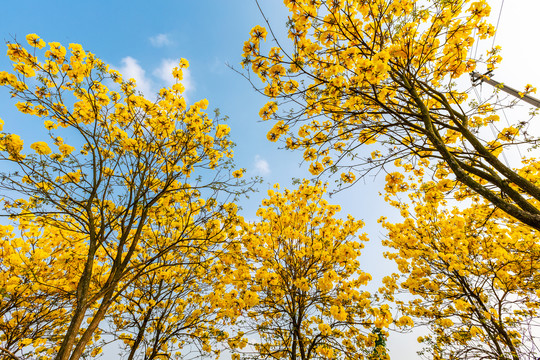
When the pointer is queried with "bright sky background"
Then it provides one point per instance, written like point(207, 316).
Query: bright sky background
point(145, 39)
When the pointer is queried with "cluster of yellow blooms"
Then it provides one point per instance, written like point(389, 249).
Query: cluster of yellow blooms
point(109, 228)
point(113, 236)
point(384, 72)
point(352, 58)
point(296, 278)
point(473, 269)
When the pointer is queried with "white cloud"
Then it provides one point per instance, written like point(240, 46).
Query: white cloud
point(130, 68)
point(164, 73)
point(158, 78)
point(187, 81)
point(160, 40)
point(261, 166)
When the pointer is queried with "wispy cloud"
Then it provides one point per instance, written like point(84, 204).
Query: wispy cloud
point(130, 68)
point(164, 73)
point(261, 166)
point(160, 40)
point(150, 83)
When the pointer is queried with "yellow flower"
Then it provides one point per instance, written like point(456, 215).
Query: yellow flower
point(41, 148)
point(25, 70)
point(108, 171)
point(445, 322)
point(310, 154)
point(25, 107)
point(72, 177)
point(222, 130)
point(277, 71)
point(495, 147)
point(348, 177)
point(35, 41)
point(177, 73)
point(394, 178)
point(49, 125)
point(77, 51)
point(405, 321)
point(251, 298)
point(325, 351)
point(508, 134)
point(258, 33)
point(292, 144)
point(272, 136)
point(26, 342)
point(238, 173)
point(13, 144)
point(66, 149)
point(183, 63)
point(290, 86)
point(267, 110)
point(179, 88)
point(316, 168)
point(57, 52)
point(325, 329)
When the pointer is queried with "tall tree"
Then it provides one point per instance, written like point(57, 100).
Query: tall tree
point(134, 183)
point(358, 72)
point(298, 286)
point(471, 275)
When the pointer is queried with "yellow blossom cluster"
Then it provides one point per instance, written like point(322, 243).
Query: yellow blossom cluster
point(472, 272)
point(110, 230)
point(296, 275)
point(382, 71)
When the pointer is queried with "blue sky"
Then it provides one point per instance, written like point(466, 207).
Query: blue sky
point(144, 39)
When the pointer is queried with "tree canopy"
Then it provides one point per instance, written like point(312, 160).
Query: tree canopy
point(301, 287)
point(388, 72)
point(122, 225)
point(471, 273)
point(134, 193)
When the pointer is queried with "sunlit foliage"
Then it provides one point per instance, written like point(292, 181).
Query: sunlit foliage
point(298, 285)
point(115, 212)
point(385, 72)
point(472, 275)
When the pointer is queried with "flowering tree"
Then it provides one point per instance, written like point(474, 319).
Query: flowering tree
point(360, 72)
point(297, 283)
point(473, 274)
point(122, 191)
